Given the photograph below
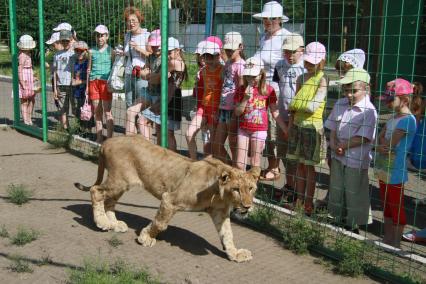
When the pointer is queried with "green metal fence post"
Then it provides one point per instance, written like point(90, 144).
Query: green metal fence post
point(14, 56)
point(42, 69)
point(164, 70)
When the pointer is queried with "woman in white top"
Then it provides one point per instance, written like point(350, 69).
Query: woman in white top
point(270, 52)
point(135, 49)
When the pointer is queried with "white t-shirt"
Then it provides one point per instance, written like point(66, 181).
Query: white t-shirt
point(137, 60)
point(270, 52)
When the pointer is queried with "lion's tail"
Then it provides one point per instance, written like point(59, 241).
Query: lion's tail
point(101, 170)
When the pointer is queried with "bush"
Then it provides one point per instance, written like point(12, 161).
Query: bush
point(3, 232)
point(24, 236)
point(95, 271)
point(18, 194)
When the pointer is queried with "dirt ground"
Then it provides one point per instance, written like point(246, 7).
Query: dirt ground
point(188, 252)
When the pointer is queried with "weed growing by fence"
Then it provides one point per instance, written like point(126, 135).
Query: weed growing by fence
point(96, 271)
point(59, 138)
point(353, 256)
point(299, 233)
point(19, 265)
point(3, 232)
point(18, 194)
point(24, 236)
point(114, 241)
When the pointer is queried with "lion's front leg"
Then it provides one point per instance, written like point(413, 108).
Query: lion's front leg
point(117, 225)
point(222, 223)
point(160, 223)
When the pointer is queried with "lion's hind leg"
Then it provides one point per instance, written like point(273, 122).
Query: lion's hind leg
point(110, 202)
point(97, 193)
point(222, 223)
point(160, 222)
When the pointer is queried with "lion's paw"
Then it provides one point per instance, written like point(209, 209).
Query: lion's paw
point(241, 255)
point(120, 227)
point(145, 239)
point(103, 223)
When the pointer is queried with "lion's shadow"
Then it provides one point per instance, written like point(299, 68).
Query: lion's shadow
point(175, 236)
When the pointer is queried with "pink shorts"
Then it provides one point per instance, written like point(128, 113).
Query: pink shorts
point(257, 135)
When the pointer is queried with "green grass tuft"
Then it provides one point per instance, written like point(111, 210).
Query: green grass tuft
point(353, 256)
point(24, 236)
point(114, 241)
point(95, 271)
point(19, 265)
point(18, 194)
point(3, 232)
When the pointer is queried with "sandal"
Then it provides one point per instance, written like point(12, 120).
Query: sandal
point(275, 174)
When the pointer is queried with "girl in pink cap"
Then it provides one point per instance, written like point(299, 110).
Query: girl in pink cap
point(306, 144)
point(395, 140)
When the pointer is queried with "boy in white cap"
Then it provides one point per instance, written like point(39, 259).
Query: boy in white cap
point(286, 73)
point(352, 123)
point(62, 89)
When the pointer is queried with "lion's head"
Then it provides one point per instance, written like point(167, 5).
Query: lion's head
point(239, 187)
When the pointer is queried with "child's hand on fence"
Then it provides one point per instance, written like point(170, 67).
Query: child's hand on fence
point(340, 150)
point(383, 149)
point(249, 92)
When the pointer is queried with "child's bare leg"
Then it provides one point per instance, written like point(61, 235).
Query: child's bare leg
point(242, 150)
point(257, 147)
point(106, 105)
point(144, 127)
point(310, 187)
point(232, 138)
point(172, 140)
point(131, 114)
point(31, 103)
point(158, 132)
point(300, 182)
point(193, 128)
point(97, 104)
point(219, 150)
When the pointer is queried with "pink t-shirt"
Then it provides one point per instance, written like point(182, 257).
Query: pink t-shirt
point(350, 121)
point(255, 116)
point(232, 74)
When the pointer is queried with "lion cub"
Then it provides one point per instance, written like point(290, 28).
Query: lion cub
point(180, 183)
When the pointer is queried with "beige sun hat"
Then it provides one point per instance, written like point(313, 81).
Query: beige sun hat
point(26, 42)
point(272, 9)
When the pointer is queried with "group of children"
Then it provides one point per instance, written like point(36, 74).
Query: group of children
point(233, 100)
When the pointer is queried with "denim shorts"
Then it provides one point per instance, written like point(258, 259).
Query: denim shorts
point(225, 116)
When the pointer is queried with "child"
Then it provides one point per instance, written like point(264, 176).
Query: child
point(286, 73)
point(227, 125)
point(208, 97)
point(100, 58)
point(79, 75)
point(353, 58)
point(62, 89)
point(352, 123)
point(253, 100)
point(391, 168)
point(306, 133)
point(26, 77)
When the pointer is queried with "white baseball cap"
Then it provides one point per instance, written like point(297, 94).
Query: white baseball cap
point(53, 38)
point(253, 67)
point(210, 48)
point(172, 43)
point(200, 47)
point(232, 40)
point(63, 27)
point(272, 9)
point(101, 29)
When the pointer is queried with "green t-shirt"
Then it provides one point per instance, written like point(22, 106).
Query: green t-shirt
point(101, 63)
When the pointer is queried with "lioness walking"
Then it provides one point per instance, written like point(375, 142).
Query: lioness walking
point(179, 182)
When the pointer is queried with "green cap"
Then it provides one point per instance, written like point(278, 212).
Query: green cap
point(353, 75)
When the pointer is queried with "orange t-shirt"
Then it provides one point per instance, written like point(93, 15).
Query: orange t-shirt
point(210, 87)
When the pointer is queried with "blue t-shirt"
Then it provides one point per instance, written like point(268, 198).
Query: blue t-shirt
point(398, 167)
point(418, 149)
point(80, 73)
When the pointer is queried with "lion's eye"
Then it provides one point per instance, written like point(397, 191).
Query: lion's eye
point(251, 189)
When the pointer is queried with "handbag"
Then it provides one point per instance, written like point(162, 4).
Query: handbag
point(86, 112)
point(116, 77)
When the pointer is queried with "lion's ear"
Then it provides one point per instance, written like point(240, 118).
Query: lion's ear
point(254, 172)
point(224, 178)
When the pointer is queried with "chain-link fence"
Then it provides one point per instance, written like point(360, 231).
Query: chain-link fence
point(334, 150)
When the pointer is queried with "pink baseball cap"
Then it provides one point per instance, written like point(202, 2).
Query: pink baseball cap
point(216, 40)
point(397, 87)
point(314, 52)
point(155, 38)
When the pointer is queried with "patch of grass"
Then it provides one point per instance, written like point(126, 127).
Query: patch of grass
point(299, 233)
point(45, 260)
point(24, 236)
point(114, 241)
point(95, 271)
point(3, 232)
point(59, 138)
point(353, 256)
point(19, 265)
point(18, 194)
